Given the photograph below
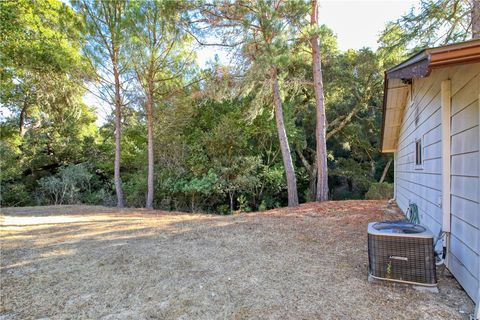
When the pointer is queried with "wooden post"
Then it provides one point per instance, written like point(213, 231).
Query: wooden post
point(446, 107)
point(446, 136)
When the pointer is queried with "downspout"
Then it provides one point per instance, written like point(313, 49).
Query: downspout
point(446, 123)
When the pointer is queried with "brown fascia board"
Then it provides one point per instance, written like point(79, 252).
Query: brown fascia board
point(468, 53)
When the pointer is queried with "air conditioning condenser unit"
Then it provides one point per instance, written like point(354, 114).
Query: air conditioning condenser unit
point(401, 252)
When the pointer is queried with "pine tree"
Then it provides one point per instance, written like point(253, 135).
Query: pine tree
point(105, 21)
point(321, 147)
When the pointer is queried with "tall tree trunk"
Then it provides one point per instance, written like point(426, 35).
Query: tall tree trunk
point(475, 19)
point(284, 147)
point(322, 173)
point(149, 109)
point(385, 170)
point(118, 137)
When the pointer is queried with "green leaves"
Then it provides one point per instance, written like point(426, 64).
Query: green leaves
point(432, 23)
point(205, 184)
point(42, 35)
point(42, 67)
point(214, 135)
point(66, 186)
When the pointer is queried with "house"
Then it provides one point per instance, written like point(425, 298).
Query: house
point(431, 125)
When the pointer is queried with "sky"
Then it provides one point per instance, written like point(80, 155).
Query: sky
point(357, 23)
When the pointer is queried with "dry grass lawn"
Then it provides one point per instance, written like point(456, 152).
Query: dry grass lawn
point(83, 262)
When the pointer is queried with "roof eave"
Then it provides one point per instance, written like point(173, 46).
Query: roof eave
point(421, 65)
point(416, 68)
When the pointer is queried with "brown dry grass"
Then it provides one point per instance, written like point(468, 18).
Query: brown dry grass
point(83, 262)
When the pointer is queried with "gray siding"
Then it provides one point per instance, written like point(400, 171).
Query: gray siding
point(423, 185)
point(465, 210)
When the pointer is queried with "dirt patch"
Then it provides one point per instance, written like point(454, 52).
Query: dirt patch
point(304, 263)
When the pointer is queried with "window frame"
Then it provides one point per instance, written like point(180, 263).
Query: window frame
point(418, 153)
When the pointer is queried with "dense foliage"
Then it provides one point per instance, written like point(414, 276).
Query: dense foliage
point(215, 142)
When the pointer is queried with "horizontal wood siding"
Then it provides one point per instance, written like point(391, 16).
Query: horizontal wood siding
point(465, 188)
point(423, 186)
point(422, 119)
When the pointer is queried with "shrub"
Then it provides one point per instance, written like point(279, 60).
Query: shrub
point(197, 188)
point(135, 189)
point(66, 186)
point(224, 209)
point(99, 197)
point(14, 194)
point(380, 191)
point(243, 204)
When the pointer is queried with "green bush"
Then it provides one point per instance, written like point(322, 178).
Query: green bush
point(135, 189)
point(99, 197)
point(224, 209)
point(65, 187)
point(380, 191)
point(243, 204)
point(14, 194)
point(197, 189)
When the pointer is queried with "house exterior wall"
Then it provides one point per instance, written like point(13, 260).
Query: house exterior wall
point(423, 184)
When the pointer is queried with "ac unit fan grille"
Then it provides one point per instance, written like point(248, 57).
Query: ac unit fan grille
point(402, 258)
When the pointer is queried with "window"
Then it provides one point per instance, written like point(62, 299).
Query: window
point(418, 152)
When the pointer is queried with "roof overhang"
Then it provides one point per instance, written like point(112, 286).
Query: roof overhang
point(398, 79)
point(394, 101)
